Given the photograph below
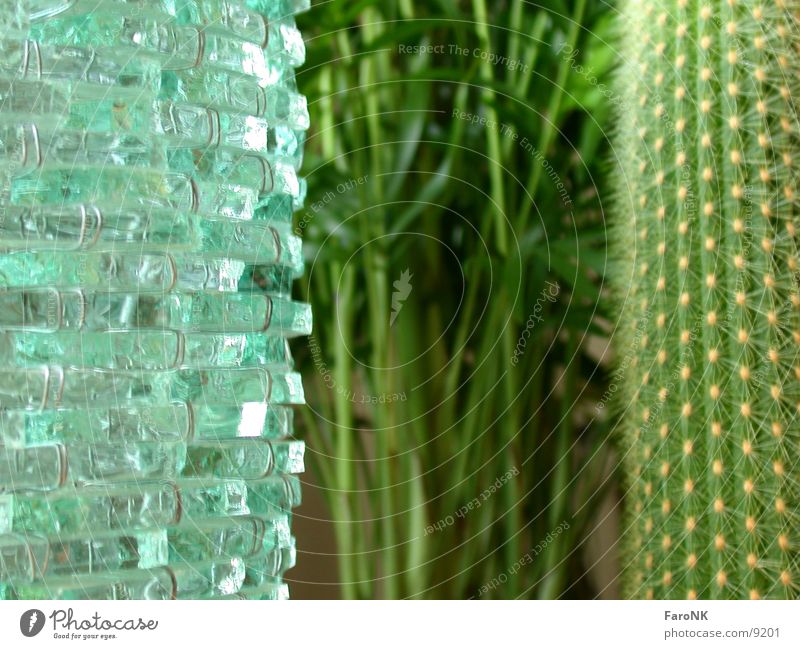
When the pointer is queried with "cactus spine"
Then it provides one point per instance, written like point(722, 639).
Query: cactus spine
point(706, 274)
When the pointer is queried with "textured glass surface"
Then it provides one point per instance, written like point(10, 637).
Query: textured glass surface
point(149, 159)
point(91, 228)
point(81, 310)
point(47, 387)
point(174, 422)
point(49, 467)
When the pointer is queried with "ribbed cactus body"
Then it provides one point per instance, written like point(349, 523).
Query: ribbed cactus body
point(705, 246)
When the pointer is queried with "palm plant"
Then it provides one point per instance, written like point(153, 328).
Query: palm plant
point(455, 259)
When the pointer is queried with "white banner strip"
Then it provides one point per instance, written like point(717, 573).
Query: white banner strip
point(386, 625)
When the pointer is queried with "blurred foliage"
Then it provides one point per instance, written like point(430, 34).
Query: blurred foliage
point(413, 420)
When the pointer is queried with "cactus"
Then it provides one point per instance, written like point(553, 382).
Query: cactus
point(706, 278)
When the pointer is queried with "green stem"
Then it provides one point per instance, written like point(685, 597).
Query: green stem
point(561, 476)
point(345, 478)
point(524, 75)
point(492, 134)
point(551, 117)
point(512, 519)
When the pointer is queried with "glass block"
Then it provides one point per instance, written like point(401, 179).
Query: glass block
point(269, 279)
point(227, 17)
point(216, 89)
point(24, 146)
point(51, 466)
point(78, 70)
point(119, 37)
point(233, 93)
point(93, 509)
point(270, 591)
point(230, 313)
point(247, 420)
point(21, 100)
point(145, 350)
point(54, 228)
point(149, 157)
point(89, 228)
point(30, 557)
point(270, 564)
point(170, 423)
point(209, 578)
point(243, 536)
point(247, 459)
point(119, 271)
point(231, 168)
point(116, 187)
point(56, 387)
point(265, 543)
point(273, 496)
point(278, 9)
point(175, 422)
point(275, 207)
point(184, 581)
point(158, 584)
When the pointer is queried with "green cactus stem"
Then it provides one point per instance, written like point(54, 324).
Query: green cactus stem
point(706, 274)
